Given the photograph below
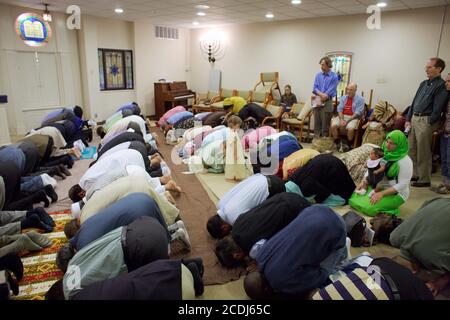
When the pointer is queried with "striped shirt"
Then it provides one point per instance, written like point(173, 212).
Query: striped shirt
point(356, 285)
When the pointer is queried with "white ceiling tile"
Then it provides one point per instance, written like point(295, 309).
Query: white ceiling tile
point(183, 12)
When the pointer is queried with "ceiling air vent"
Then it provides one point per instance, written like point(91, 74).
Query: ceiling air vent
point(166, 33)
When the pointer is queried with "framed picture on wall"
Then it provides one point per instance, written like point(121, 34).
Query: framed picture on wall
point(115, 69)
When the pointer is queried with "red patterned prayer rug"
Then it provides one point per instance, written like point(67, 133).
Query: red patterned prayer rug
point(40, 270)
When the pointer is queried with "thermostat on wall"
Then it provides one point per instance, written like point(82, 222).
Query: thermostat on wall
point(3, 99)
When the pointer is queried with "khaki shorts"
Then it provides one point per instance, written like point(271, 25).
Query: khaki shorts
point(352, 125)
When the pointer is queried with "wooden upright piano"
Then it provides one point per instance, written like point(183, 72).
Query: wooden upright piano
point(171, 94)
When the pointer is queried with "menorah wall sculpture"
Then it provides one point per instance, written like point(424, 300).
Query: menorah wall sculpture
point(212, 49)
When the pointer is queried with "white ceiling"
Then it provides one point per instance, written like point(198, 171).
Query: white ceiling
point(183, 12)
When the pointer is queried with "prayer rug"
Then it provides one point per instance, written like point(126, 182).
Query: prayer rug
point(40, 270)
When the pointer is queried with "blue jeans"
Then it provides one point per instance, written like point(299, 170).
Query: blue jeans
point(445, 157)
point(31, 184)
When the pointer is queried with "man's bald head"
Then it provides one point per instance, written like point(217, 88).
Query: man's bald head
point(351, 89)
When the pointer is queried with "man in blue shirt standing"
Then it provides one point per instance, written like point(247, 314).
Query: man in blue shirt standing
point(325, 86)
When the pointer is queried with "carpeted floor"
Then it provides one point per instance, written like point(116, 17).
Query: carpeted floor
point(196, 207)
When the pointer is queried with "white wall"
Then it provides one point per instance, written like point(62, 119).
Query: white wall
point(391, 61)
point(98, 33)
point(158, 59)
point(61, 53)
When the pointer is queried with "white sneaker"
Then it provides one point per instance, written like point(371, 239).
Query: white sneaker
point(47, 180)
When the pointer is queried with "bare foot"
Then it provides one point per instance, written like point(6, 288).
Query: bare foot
point(165, 179)
point(75, 152)
point(439, 284)
point(172, 186)
point(169, 197)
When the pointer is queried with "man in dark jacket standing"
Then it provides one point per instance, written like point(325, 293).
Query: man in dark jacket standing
point(424, 117)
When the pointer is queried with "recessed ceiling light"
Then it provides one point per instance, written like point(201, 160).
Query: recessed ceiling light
point(381, 4)
point(296, 1)
point(269, 16)
point(195, 23)
point(202, 6)
point(118, 10)
point(201, 14)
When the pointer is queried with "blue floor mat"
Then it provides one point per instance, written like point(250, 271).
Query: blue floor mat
point(89, 153)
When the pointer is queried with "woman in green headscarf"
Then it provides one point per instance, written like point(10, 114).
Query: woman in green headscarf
point(398, 174)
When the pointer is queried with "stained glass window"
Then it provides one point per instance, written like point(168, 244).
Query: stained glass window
point(101, 70)
point(116, 69)
point(342, 65)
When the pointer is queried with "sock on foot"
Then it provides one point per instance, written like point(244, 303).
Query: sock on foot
point(47, 180)
point(64, 170)
point(39, 239)
point(43, 216)
point(13, 263)
point(33, 221)
point(51, 193)
point(198, 281)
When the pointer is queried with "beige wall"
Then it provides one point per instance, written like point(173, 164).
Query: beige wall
point(391, 60)
point(24, 112)
point(98, 33)
point(158, 59)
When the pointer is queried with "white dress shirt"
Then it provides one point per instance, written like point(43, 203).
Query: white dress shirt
point(110, 165)
point(244, 196)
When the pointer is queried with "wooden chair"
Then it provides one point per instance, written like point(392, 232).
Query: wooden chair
point(359, 130)
point(275, 119)
point(203, 102)
point(293, 122)
point(268, 83)
point(217, 105)
point(261, 98)
point(245, 94)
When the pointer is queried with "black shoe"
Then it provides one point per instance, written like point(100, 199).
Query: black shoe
point(13, 263)
point(43, 215)
point(421, 184)
point(414, 179)
point(199, 287)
